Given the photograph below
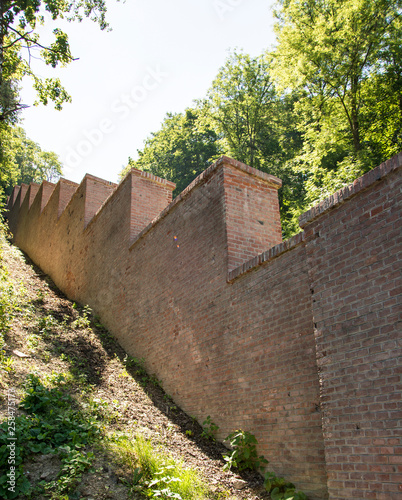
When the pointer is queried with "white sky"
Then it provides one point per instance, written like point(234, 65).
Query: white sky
point(160, 56)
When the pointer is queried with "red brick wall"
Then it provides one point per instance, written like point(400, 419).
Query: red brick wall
point(14, 210)
point(354, 256)
point(11, 199)
point(251, 212)
point(96, 192)
point(295, 341)
point(25, 234)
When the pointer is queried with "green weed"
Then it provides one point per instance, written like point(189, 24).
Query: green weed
point(280, 489)
point(244, 452)
point(75, 463)
point(52, 422)
point(157, 474)
point(84, 320)
point(46, 325)
point(209, 429)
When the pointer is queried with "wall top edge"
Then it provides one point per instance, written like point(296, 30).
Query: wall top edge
point(62, 180)
point(98, 179)
point(360, 184)
point(154, 178)
point(270, 179)
point(266, 256)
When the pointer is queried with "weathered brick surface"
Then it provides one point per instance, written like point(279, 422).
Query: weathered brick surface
point(354, 260)
point(14, 210)
point(251, 213)
point(288, 340)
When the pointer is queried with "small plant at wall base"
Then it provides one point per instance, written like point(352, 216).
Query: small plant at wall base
point(209, 429)
point(280, 489)
point(244, 452)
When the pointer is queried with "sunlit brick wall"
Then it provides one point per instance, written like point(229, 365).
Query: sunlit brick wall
point(294, 341)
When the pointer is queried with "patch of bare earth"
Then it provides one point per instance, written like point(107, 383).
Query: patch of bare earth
point(137, 405)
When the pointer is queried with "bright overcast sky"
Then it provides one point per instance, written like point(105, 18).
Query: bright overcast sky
point(158, 58)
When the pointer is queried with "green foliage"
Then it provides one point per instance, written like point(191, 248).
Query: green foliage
point(280, 489)
point(82, 321)
point(344, 59)
point(163, 477)
point(209, 428)
point(52, 423)
point(7, 296)
point(244, 452)
point(155, 473)
point(75, 463)
point(23, 161)
point(242, 103)
point(8, 303)
point(183, 148)
point(20, 34)
point(46, 325)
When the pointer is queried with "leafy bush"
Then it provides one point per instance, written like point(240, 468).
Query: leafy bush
point(52, 424)
point(244, 452)
point(280, 489)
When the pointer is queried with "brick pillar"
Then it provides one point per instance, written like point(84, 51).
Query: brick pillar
point(13, 197)
point(64, 191)
point(96, 193)
point(45, 192)
point(149, 196)
point(251, 210)
point(15, 210)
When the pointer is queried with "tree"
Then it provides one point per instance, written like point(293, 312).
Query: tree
point(258, 125)
point(242, 102)
point(338, 53)
point(381, 114)
point(183, 148)
point(23, 161)
point(19, 38)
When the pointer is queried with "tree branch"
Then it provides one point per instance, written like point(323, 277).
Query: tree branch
point(37, 44)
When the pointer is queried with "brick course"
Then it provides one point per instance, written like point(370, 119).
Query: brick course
point(294, 341)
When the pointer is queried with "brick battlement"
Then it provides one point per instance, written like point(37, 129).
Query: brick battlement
point(294, 341)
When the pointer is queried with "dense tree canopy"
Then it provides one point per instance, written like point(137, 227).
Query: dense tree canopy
point(344, 57)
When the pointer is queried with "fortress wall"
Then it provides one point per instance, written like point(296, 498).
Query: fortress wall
point(133, 205)
point(23, 214)
point(26, 236)
point(354, 259)
point(297, 344)
point(44, 238)
point(171, 305)
point(14, 210)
